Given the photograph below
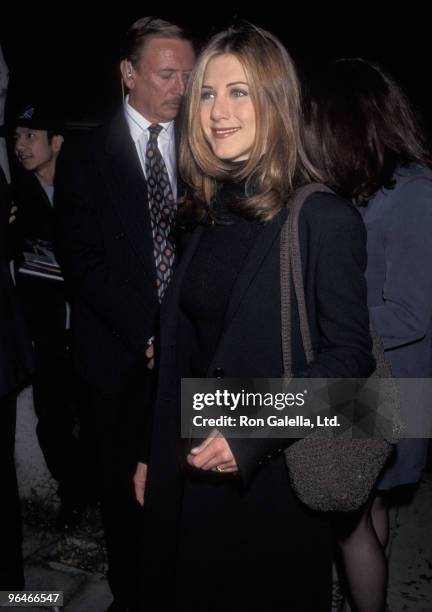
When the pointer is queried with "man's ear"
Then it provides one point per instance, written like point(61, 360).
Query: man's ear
point(127, 72)
point(56, 143)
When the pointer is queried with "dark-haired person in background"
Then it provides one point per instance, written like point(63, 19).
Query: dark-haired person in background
point(15, 370)
point(38, 139)
point(364, 138)
point(117, 205)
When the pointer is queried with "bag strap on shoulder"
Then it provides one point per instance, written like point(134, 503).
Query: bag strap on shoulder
point(291, 270)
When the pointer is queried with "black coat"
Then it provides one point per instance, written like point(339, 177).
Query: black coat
point(15, 347)
point(43, 300)
point(35, 216)
point(253, 525)
point(106, 248)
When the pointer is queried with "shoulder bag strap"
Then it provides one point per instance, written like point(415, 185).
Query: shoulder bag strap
point(291, 268)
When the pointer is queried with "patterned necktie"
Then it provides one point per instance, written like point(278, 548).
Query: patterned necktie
point(162, 210)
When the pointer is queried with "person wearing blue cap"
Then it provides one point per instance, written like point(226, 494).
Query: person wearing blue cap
point(38, 140)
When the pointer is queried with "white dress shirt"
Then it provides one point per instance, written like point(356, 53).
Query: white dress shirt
point(138, 127)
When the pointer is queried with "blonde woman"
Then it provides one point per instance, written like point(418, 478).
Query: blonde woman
point(222, 521)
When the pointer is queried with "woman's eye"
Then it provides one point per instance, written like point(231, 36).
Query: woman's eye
point(238, 93)
point(206, 95)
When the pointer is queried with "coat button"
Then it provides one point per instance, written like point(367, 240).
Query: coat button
point(218, 372)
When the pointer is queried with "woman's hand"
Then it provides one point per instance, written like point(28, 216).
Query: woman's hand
point(139, 481)
point(213, 454)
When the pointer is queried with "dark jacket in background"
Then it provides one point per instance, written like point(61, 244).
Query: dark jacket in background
point(35, 216)
point(15, 370)
point(106, 247)
point(15, 346)
point(43, 300)
point(57, 393)
point(399, 279)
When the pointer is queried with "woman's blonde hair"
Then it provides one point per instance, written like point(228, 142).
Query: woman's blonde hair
point(278, 162)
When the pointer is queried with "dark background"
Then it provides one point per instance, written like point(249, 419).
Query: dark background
point(70, 52)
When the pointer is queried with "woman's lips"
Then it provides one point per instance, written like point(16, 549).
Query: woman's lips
point(224, 132)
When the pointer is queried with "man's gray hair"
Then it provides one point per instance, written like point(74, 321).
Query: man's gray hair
point(143, 30)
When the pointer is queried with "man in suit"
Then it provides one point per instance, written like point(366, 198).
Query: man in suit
point(15, 369)
point(116, 210)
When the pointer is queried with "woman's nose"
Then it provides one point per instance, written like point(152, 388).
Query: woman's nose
point(220, 108)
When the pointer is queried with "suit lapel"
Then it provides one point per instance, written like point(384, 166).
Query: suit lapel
point(129, 190)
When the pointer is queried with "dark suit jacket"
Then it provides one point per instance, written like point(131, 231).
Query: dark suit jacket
point(106, 249)
point(15, 347)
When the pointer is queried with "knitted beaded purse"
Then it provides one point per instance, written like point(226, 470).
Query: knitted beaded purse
point(329, 474)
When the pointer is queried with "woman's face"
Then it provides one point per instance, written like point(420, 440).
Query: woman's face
point(227, 112)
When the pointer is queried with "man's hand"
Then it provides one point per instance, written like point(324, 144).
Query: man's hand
point(150, 357)
point(12, 214)
point(139, 481)
point(213, 454)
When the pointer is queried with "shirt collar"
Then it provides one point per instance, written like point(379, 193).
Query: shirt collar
point(138, 124)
